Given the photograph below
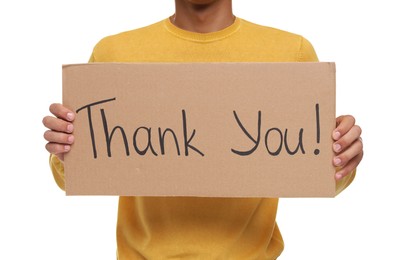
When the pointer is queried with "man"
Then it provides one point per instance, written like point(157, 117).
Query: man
point(201, 228)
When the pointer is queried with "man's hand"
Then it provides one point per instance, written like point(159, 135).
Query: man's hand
point(59, 135)
point(348, 146)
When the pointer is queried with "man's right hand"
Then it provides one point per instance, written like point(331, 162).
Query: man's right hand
point(59, 135)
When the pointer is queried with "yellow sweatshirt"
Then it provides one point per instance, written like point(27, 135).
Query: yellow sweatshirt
point(190, 227)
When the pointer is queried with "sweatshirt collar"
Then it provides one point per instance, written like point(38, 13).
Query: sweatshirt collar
point(202, 37)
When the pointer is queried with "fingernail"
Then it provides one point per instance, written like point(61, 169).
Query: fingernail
point(336, 135)
point(69, 128)
point(67, 148)
point(338, 176)
point(337, 147)
point(337, 161)
point(70, 116)
point(70, 139)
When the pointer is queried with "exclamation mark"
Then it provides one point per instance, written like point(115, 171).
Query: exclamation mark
point(317, 151)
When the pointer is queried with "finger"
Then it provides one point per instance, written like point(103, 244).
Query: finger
point(57, 124)
point(61, 156)
point(346, 140)
point(62, 112)
point(57, 149)
point(348, 168)
point(352, 151)
point(58, 137)
point(344, 123)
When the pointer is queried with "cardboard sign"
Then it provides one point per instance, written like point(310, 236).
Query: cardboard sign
point(201, 129)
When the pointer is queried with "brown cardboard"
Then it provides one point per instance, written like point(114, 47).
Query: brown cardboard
point(206, 105)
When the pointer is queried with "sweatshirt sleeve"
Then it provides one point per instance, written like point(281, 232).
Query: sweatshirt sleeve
point(92, 58)
point(344, 182)
point(58, 171)
point(307, 52)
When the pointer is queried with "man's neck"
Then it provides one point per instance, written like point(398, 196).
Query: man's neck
point(203, 18)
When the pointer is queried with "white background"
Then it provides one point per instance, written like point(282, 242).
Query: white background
point(37, 221)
